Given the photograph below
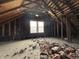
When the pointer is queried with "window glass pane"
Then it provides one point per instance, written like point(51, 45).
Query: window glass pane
point(33, 26)
point(40, 27)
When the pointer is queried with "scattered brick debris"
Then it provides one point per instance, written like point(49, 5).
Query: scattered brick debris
point(57, 51)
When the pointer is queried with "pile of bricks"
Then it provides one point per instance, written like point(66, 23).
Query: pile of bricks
point(57, 51)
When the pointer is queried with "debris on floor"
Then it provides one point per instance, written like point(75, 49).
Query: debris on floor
point(42, 48)
point(56, 51)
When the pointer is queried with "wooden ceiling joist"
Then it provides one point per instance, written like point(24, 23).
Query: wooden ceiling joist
point(9, 15)
point(5, 7)
point(58, 8)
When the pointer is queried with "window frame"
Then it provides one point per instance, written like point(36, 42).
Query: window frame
point(37, 27)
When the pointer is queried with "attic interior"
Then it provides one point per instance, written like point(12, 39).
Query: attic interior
point(21, 20)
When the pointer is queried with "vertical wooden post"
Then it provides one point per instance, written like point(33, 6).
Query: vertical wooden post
point(0, 30)
point(19, 28)
point(67, 34)
point(3, 29)
point(70, 33)
point(62, 37)
point(57, 30)
point(68, 29)
point(9, 28)
point(14, 27)
point(14, 34)
point(54, 29)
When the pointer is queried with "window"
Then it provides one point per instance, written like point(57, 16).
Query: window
point(40, 27)
point(36, 27)
point(33, 26)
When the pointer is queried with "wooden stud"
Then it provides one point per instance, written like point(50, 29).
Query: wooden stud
point(62, 37)
point(54, 29)
point(3, 29)
point(57, 30)
point(9, 28)
point(14, 27)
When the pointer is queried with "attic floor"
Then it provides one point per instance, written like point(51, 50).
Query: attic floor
point(8, 50)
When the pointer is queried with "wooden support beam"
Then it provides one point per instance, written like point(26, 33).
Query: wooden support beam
point(6, 7)
point(15, 27)
point(54, 29)
point(68, 29)
point(19, 28)
point(46, 5)
point(0, 30)
point(57, 29)
point(66, 23)
point(62, 37)
point(9, 28)
point(3, 29)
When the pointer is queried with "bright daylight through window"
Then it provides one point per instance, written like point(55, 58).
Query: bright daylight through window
point(36, 27)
